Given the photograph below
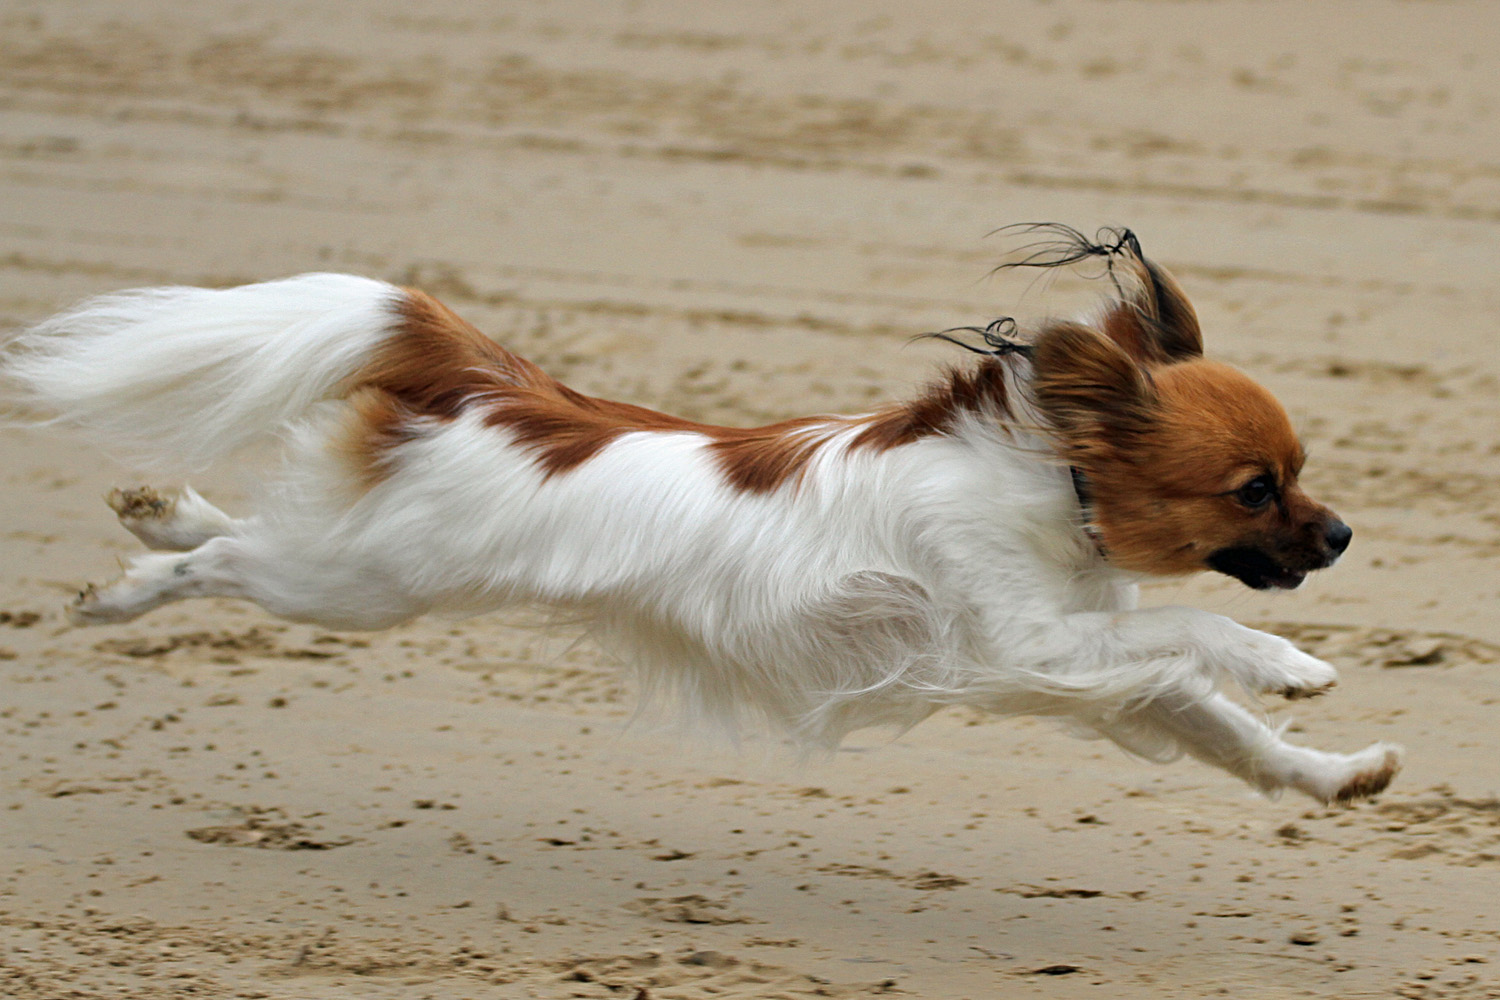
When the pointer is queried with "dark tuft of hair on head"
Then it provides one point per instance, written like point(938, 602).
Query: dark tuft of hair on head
point(1153, 318)
point(998, 335)
point(1063, 245)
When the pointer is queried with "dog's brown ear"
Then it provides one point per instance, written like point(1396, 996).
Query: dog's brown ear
point(1096, 397)
point(1153, 321)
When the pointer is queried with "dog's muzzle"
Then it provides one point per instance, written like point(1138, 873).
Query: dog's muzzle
point(1261, 570)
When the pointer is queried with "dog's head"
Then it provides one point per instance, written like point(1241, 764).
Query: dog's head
point(1190, 464)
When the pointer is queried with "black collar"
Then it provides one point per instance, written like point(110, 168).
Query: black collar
point(1085, 494)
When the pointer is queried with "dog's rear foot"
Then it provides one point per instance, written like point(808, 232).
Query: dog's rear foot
point(156, 578)
point(92, 606)
point(144, 504)
point(168, 523)
point(150, 581)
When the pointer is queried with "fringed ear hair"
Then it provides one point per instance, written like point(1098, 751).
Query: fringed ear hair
point(1097, 398)
point(999, 337)
point(1152, 318)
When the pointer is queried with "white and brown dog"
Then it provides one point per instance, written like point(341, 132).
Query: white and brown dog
point(978, 545)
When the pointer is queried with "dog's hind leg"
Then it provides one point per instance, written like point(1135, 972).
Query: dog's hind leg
point(169, 523)
point(294, 581)
point(156, 579)
point(1219, 732)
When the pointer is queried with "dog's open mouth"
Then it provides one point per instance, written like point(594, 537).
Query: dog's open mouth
point(1254, 568)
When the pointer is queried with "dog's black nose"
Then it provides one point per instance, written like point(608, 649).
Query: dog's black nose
point(1337, 536)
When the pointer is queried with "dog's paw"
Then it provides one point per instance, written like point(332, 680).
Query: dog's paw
point(1309, 676)
point(1283, 669)
point(120, 601)
point(1304, 691)
point(1372, 770)
point(168, 523)
point(88, 608)
point(149, 516)
point(144, 504)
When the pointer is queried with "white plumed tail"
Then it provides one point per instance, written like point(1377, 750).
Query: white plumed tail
point(177, 377)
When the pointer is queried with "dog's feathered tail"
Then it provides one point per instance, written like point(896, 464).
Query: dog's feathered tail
point(176, 377)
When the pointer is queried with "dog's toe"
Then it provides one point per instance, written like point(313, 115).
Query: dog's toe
point(95, 606)
point(83, 607)
point(1302, 692)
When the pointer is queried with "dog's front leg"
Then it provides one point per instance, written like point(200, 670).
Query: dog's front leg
point(1259, 662)
point(1152, 673)
point(1219, 732)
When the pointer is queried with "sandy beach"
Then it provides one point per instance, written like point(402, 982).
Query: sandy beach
point(738, 213)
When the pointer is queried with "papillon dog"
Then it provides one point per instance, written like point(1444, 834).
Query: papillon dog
point(980, 544)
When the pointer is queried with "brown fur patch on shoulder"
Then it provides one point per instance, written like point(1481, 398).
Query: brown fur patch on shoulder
point(763, 459)
point(981, 389)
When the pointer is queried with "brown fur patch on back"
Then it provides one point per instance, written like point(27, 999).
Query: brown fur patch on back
point(436, 366)
point(433, 365)
point(763, 458)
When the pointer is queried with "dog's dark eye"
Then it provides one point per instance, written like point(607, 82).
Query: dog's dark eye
point(1256, 493)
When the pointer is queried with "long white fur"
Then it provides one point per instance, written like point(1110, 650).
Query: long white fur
point(877, 588)
point(233, 364)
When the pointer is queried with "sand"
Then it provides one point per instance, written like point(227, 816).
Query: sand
point(740, 212)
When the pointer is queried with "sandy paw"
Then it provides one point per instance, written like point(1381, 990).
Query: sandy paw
point(1371, 780)
point(168, 523)
point(92, 607)
point(144, 504)
point(1287, 671)
point(84, 606)
point(1302, 692)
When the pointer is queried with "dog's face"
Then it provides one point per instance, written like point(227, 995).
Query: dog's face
point(1190, 464)
point(1213, 484)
